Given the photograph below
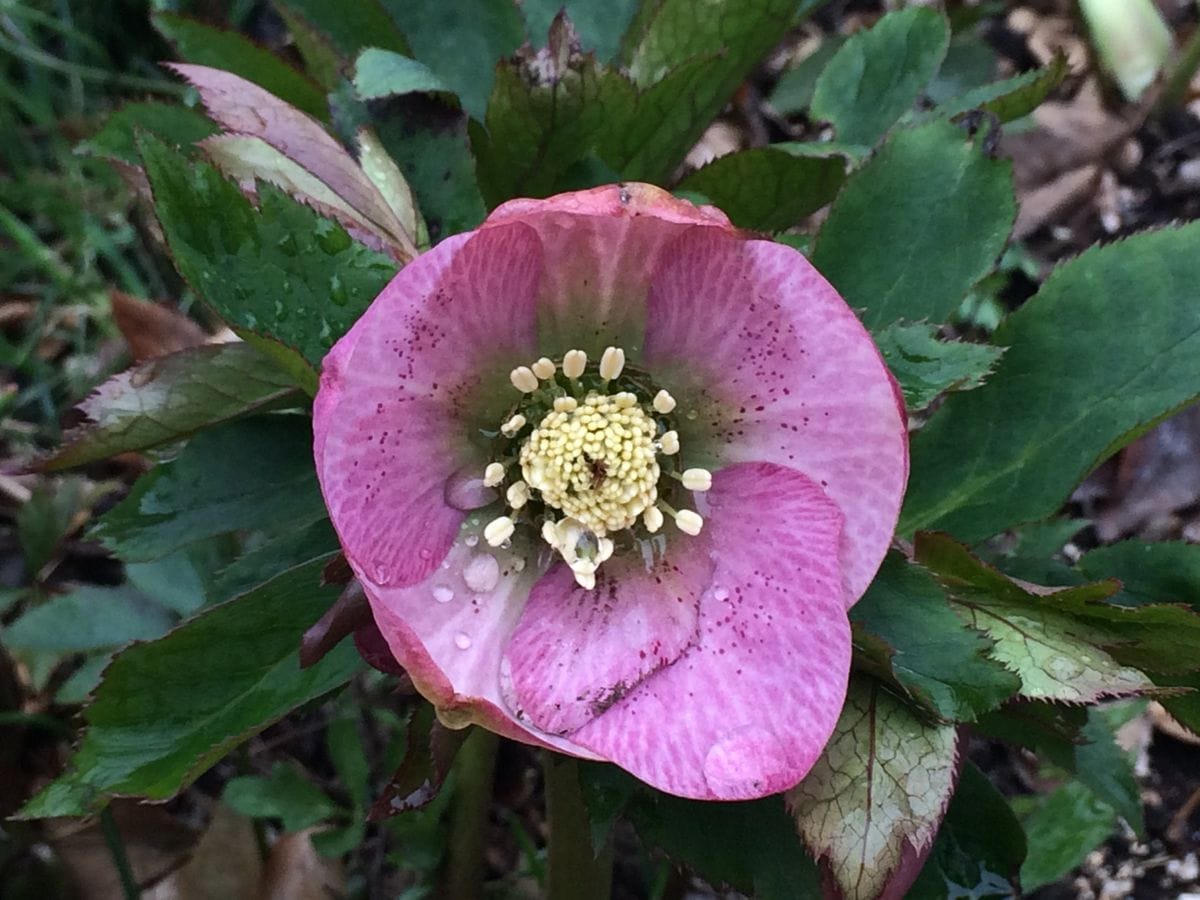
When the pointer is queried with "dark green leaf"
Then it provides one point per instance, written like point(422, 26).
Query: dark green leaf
point(970, 63)
point(1070, 389)
point(461, 40)
point(168, 709)
point(878, 74)
point(1032, 553)
point(177, 125)
point(83, 681)
point(46, 519)
point(285, 795)
point(1012, 98)
point(346, 750)
point(293, 548)
point(281, 270)
point(927, 189)
point(926, 647)
point(768, 188)
point(255, 473)
point(1105, 768)
point(1062, 828)
point(208, 46)
point(794, 90)
point(88, 618)
point(979, 848)
point(1165, 572)
point(170, 397)
point(927, 367)
point(175, 580)
point(599, 23)
point(382, 73)
point(1051, 730)
point(350, 27)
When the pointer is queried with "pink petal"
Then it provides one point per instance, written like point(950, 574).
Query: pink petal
point(750, 336)
point(449, 633)
point(601, 247)
point(747, 711)
point(576, 652)
point(242, 107)
point(404, 393)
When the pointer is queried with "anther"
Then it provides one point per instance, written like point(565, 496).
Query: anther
point(688, 522)
point(669, 443)
point(574, 363)
point(625, 400)
point(663, 403)
point(550, 533)
point(493, 474)
point(513, 425)
point(697, 479)
point(566, 404)
point(652, 518)
point(517, 494)
point(543, 368)
point(499, 530)
point(523, 379)
point(611, 363)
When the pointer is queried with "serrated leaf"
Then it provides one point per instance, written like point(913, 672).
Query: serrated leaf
point(927, 367)
point(168, 709)
point(1105, 768)
point(255, 473)
point(350, 26)
point(88, 618)
point(382, 73)
point(876, 795)
point(461, 40)
point(1070, 390)
point(768, 188)
point(1013, 97)
point(599, 23)
point(285, 794)
point(878, 74)
point(171, 397)
point(208, 46)
point(281, 270)
point(1165, 572)
point(288, 550)
point(1061, 829)
point(928, 649)
point(1056, 652)
point(175, 124)
point(794, 91)
point(397, 193)
point(926, 189)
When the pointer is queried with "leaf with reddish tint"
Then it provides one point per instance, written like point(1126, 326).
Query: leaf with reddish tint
point(171, 397)
point(1058, 650)
point(427, 759)
point(870, 807)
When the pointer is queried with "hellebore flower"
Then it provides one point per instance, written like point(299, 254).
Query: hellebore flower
point(611, 473)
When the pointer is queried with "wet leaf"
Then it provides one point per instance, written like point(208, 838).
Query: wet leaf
point(927, 367)
point(873, 801)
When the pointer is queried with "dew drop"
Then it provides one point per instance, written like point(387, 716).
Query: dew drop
point(692, 415)
point(482, 573)
point(471, 540)
point(383, 573)
point(443, 594)
point(750, 749)
point(518, 564)
point(425, 553)
point(465, 489)
point(337, 291)
point(721, 593)
point(462, 640)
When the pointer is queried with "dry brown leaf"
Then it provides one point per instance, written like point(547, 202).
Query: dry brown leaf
point(225, 862)
point(295, 871)
point(153, 329)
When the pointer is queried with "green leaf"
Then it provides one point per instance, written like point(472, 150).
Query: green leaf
point(542, 120)
point(878, 792)
point(599, 23)
point(168, 709)
point(927, 189)
point(46, 519)
point(1012, 98)
point(255, 473)
point(461, 41)
point(1057, 643)
point(794, 91)
point(904, 623)
point(927, 367)
point(979, 848)
point(350, 27)
point(878, 74)
point(88, 618)
point(285, 795)
point(1062, 828)
point(768, 188)
point(281, 270)
point(1102, 352)
point(1107, 769)
point(382, 73)
point(170, 398)
point(1166, 572)
point(293, 548)
point(346, 750)
point(208, 46)
point(176, 125)
point(175, 580)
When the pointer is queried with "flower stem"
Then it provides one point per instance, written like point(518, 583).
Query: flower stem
point(575, 871)
point(1180, 76)
point(470, 806)
point(116, 846)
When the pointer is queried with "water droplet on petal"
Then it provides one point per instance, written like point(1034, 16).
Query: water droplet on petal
point(482, 573)
point(692, 414)
point(462, 640)
point(752, 748)
point(443, 594)
point(721, 593)
point(425, 553)
point(471, 540)
point(382, 573)
point(465, 489)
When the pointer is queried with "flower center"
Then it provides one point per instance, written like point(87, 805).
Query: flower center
point(587, 444)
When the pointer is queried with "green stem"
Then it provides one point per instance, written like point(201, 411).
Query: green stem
point(473, 780)
point(1180, 77)
point(116, 846)
point(574, 870)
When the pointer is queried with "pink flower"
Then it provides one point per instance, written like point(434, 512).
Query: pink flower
point(506, 434)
